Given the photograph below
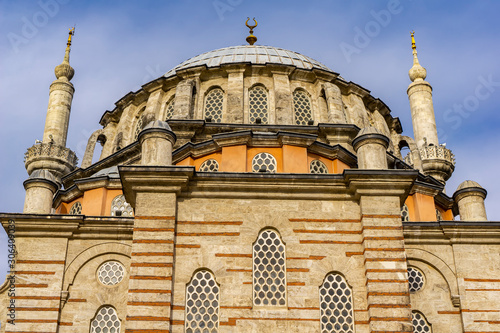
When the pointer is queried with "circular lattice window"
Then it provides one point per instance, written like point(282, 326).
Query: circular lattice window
point(213, 105)
point(420, 323)
point(110, 273)
point(258, 105)
point(317, 166)
point(405, 214)
point(105, 321)
point(210, 165)
point(264, 162)
point(415, 279)
point(76, 209)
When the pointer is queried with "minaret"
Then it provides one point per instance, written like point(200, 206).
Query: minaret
point(437, 161)
point(47, 161)
point(422, 110)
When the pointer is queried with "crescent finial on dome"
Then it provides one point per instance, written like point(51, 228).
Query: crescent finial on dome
point(251, 39)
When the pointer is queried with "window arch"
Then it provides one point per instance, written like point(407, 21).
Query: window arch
point(316, 166)
point(169, 108)
point(405, 213)
point(257, 105)
point(213, 105)
point(420, 323)
point(202, 303)
point(120, 207)
point(269, 270)
point(209, 165)
point(302, 107)
point(105, 321)
point(416, 279)
point(264, 162)
point(76, 209)
point(140, 124)
point(336, 308)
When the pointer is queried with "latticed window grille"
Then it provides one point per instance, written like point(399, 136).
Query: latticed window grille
point(76, 209)
point(209, 165)
point(269, 270)
point(336, 308)
point(415, 279)
point(258, 105)
point(138, 127)
point(169, 109)
point(202, 304)
point(213, 105)
point(439, 216)
point(110, 273)
point(119, 207)
point(405, 213)
point(105, 321)
point(302, 107)
point(420, 323)
point(317, 166)
point(264, 162)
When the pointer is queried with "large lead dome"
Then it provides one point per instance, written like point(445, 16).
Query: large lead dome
point(252, 54)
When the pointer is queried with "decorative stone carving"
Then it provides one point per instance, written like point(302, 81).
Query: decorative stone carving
point(437, 161)
point(57, 159)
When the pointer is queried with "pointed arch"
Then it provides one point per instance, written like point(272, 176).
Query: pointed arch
point(336, 304)
point(202, 302)
point(120, 207)
point(214, 102)
point(105, 320)
point(420, 323)
point(258, 107)
point(302, 107)
point(269, 269)
point(169, 108)
point(139, 124)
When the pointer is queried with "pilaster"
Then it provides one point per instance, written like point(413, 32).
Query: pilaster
point(234, 112)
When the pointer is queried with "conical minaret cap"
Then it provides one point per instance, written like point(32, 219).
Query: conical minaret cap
point(417, 72)
point(64, 70)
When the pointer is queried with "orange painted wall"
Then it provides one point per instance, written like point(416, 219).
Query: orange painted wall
point(234, 159)
point(276, 152)
point(295, 159)
point(339, 166)
point(410, 202)
point(186, 161)
point(93, 201)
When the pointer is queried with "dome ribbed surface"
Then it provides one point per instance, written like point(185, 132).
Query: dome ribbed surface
point(253, 54)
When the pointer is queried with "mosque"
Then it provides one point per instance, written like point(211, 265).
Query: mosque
point(249, 189)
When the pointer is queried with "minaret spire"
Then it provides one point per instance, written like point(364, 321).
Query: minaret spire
point(424, 123)
point(47, 161)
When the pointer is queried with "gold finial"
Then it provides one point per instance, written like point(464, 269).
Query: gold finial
point(71, 33)
point(413, 46)
point(251, 39)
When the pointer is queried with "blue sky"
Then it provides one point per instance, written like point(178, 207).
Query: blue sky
point(120, 45)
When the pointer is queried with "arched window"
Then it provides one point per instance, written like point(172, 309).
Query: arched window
point(336, 308)
point(257, 98)
point(264, 162)
point(213, 105)
point(302, 108)
point(202, 303)
point(139, 126)
point(209, 165)
point(415, 279)
point(119, 207)
point(317, 166)
point(169, 108)
point(420, 323)
point(405, 213)
point(105, 321)
point(76, 209)
point(269, 270)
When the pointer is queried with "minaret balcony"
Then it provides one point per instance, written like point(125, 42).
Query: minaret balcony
point(437, 161)
point(58, 159)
